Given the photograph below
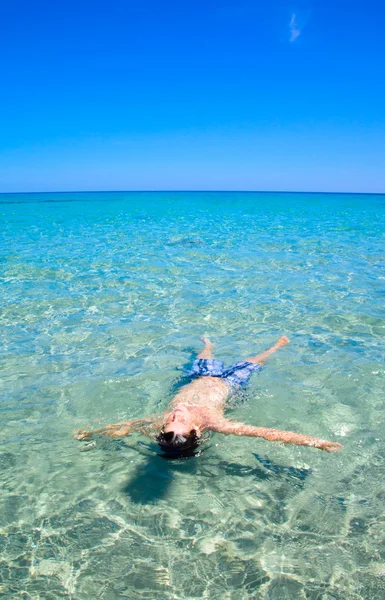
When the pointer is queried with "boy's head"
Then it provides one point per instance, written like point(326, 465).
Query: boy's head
point(176, 445)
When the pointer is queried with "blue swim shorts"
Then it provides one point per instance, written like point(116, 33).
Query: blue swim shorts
point(236, 375)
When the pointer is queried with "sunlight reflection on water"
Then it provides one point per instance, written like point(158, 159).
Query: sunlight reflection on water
point(104, 299)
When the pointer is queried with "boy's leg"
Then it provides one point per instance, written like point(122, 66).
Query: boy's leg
point(262, 358)
point(207, 351)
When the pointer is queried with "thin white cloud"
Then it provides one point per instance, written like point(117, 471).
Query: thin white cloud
point(294, 28)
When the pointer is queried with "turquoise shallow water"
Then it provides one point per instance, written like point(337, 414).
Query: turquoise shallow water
point(104, 298)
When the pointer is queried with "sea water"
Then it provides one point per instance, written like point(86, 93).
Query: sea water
point(104, 297)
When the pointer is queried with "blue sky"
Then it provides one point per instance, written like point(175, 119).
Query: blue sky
point(182, 94)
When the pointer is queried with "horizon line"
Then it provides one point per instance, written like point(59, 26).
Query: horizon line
point(195, 191)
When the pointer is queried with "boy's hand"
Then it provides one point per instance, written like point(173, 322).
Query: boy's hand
point(330, 446)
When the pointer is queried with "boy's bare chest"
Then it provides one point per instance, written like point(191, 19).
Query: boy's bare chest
point(205, 391)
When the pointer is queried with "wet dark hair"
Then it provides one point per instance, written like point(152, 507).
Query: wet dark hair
point(175, 445)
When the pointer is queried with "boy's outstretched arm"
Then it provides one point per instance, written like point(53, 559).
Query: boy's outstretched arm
point(274, 435)
point(115, 431)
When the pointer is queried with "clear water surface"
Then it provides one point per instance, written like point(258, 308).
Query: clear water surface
point(103, 300)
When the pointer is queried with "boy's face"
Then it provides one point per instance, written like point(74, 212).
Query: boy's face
point(180, 421)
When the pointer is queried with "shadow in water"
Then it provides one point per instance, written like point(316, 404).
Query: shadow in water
point(150, 481)
point(268, 470)
point(153, 478)
point(291, 472)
